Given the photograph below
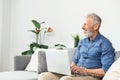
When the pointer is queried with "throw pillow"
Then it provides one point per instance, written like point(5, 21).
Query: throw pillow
point(42, 64)
point(37, 60)
point(113, 72)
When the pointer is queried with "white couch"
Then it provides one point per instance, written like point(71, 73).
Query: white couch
point(20, 63)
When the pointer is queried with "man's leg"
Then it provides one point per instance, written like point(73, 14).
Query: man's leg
point(49, 76)
point(79, 78)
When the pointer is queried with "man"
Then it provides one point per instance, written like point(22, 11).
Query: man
point(94, 55)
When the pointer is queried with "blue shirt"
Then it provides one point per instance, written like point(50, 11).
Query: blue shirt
point(94, 54)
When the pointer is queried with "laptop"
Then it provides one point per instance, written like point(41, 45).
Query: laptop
point(58, 61)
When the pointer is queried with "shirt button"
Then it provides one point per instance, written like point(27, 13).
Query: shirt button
point(85, 57)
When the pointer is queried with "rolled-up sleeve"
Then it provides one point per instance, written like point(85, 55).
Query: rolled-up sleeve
point(107, 57)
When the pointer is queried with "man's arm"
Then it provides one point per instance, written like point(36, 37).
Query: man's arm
point(95, 72)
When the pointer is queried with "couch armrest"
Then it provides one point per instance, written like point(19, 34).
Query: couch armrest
point(21, 61)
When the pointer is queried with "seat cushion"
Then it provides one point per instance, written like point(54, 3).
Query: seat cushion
point(18, 75)
point(114, 71)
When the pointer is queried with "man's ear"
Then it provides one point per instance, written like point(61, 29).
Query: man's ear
point(96, 26)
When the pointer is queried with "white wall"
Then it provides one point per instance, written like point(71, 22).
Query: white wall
point(1, 8)
point(5, 38)
point(64, 16)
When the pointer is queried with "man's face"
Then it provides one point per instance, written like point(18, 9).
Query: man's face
point(88, 27)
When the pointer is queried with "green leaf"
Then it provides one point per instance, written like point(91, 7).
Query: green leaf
point(34, 31)
point(76, 37)
point(43, 46)
point(28, 52)
point(61, 45)
point(37, 24)
point(24, 52)
point(33, 44)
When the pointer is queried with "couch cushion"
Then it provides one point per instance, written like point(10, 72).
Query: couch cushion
point(42, 64)
point(21, 61)
point(18, 75)
point(114, 71)
point(117, 55)
point(37, 62)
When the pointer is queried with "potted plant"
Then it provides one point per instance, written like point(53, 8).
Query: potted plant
point(40, 33)
point(76, 39)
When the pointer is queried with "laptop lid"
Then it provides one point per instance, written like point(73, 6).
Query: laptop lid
point(58, 61)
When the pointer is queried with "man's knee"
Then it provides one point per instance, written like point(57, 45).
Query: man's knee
point(47, 76)
point(66, 78)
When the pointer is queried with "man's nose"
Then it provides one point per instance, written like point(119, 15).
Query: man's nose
point(83, 27)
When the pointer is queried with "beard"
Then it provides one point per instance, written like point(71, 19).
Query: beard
point(88, 34)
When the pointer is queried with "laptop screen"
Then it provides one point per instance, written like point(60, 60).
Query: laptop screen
point(58, 61)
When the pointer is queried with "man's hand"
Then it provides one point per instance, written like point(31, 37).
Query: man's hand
point(74, 68)
point(72, 64)
point(77, 69)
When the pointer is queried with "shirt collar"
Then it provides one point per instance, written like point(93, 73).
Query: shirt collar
point(96, 38)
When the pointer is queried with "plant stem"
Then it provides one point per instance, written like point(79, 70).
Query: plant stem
point(44, 35)
point(37, 38)
point(40, 38)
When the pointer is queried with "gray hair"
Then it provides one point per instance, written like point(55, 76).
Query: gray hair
point(95, 18)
